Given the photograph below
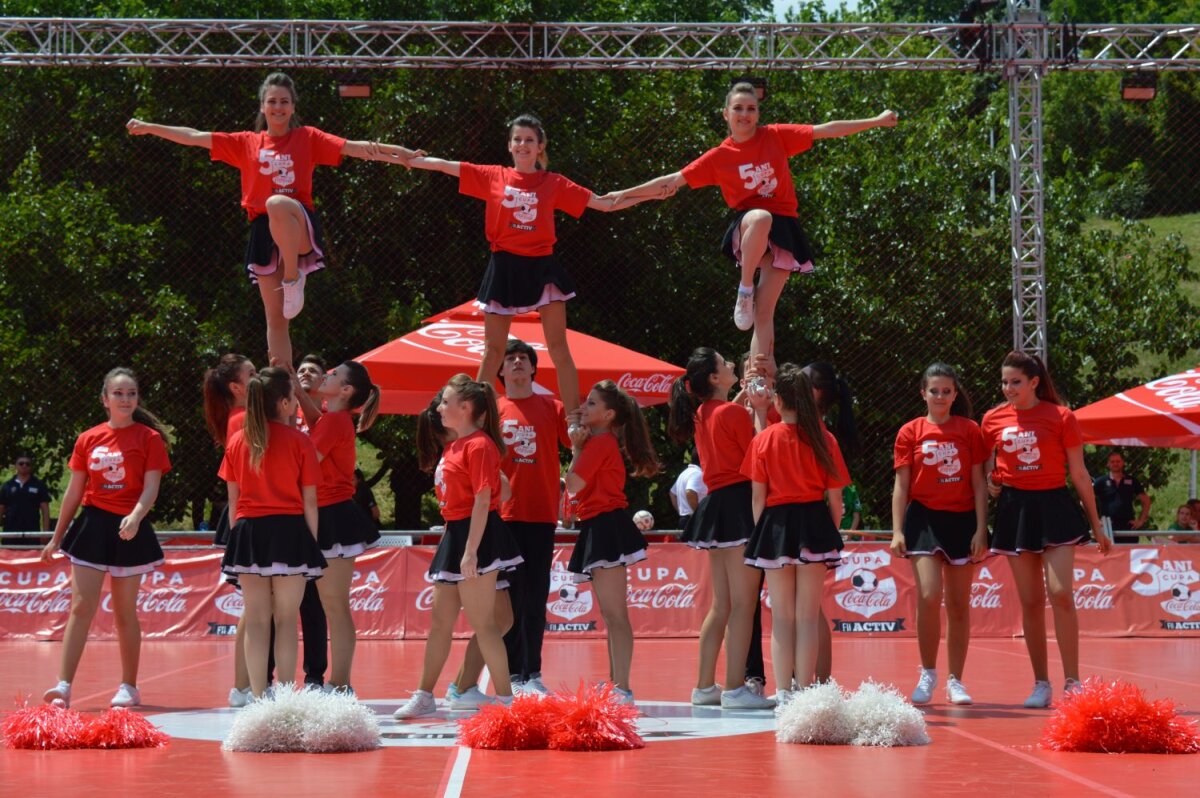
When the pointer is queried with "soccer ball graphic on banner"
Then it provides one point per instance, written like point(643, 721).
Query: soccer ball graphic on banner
point(864, 581)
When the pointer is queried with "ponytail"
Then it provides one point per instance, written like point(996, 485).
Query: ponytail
point(263, 394)
point(1032, 366)
point(218, 396)
point(484, 413)
point(431, 435)
point(831, 391)
point(365, 394)
point(629, 426)
point(795, 392)
point(689, 391)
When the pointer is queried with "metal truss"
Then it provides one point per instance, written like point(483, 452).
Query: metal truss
point(591, 45)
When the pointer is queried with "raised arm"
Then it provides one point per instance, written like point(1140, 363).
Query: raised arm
point(187, 136)
point(840, 128)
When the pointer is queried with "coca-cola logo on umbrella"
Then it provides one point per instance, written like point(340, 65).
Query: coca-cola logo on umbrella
point(646, 385)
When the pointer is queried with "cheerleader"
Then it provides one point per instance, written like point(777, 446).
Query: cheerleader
point(276, 162)
point(939, 521)
point(523, 273)
point(224, 413)
point(793, 464)
point(721, 523)
point(272, 472)
point(344, 530)
point(476, 545)
point(606, 429)
point(1033, 439)
point(116, 468)
point(751, 168)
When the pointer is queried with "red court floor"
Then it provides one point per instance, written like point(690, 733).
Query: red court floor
point(988, 748)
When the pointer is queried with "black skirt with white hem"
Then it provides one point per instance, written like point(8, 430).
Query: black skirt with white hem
point(344, 530)
point(497, 550)
point(519, 283)
point(948, 533)
point(93, 540)
point(608, 540)
point(723, 519)
point(262, 254)
point(786, 233)
point(795, 534)
point(272, 545)
point(1035, 520)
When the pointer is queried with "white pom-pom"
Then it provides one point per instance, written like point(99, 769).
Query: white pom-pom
point(880, 716)
point(307, 721)
point(816, 715)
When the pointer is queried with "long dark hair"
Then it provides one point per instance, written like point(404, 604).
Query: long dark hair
point(365, 394)
point(1032, 366)
point(629, 426)
point(218, 396)
point(482, 398)
point(962, 400)
point(277, 79)
point(431, 435)
point(689, 392)
point(535, 124)
point(795, 392)
point(830, 392)
point(263, 394)
point(141, 414)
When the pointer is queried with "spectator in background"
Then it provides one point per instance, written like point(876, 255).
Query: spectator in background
point(1115, 495)
point(365, 498)
point(1184, 522)
point(1195, 505)
point(24, 503)
point(688, 490)
point(852, 509)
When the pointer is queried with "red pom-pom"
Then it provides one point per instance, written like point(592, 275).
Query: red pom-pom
point(1117, 718)
point(593, 720)
point(120, 728)
point(43, 726)
point(522, 726)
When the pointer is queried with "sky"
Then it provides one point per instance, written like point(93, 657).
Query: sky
point(783, 5)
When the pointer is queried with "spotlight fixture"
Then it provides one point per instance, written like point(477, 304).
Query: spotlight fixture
point(354, 85)
point(1139, 86)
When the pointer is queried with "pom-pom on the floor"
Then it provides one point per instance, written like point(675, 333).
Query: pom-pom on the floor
point(873, 715)
point(308, 721)
point(120, 728)
point(520, 727)
point(44, 727)
point(1117, 718)
point(591, 719)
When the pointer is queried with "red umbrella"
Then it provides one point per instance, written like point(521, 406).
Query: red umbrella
point(414, 367)
point(1163, 413)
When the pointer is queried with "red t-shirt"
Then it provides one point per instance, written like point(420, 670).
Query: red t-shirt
point(289, 464)
point(789, 467)
point(115, 462)
point(1031, 445)
point(754, 173)
point(940, 458)
point(602, 467)
point(520, 207)
point(468, 465)
point(724, 431)
point(333, 436)
point(235, 422)
point(532, 428)
point(281, 165)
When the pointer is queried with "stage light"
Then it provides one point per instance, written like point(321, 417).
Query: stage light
point(354, 86)
point(1139, 86)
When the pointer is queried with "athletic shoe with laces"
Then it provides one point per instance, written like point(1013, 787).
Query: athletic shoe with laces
point(622, 696)
point(743, 311)
point(1072, 686)
point(126, 696)
point(1040, 697)
point(923, 692)
point(293, 296)
point(742, 698)
point(470, 700)
point(782, 699)
point(517, 683)
point(534, 686)
point(707, 696)
point(420, 705)
point(955, 692)
point(239, 698)
point(756, 685)
point(452, 693)
point(59, 695)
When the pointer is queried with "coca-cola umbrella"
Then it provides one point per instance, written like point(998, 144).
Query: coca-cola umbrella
point(1162, 413)
point(412, 368)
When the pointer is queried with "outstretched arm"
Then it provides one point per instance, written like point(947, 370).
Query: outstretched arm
point(434, 165)
point(837, 129)
point(180, 135)
point(376, 151)
point(659, 188)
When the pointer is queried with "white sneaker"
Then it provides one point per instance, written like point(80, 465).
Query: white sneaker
point(923, 692)
point(782, 699)
point(470, 700)
point(341, 689)
point(743, 311)
point(502, 700)
point(239, 698)
point(1040, 697)
point(126, 696)
point(293, 296)
point(534, 686)
point(742, 698)
point(517, 684)
point(420, 705)
point(452, 693)
point(955, 692)
point(706, 697)
point(756, 685)
point(59, 695)
point(1072, 686)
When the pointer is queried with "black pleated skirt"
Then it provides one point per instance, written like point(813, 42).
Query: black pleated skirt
point(93, 541)
point(1033, 520)
point(272, 545)
point(497, 549)
point(345, 530)
point(520, 282)
point(944, 532)
point(723, 519)
point(786, 233)
point(608, 540)
point(795, 534)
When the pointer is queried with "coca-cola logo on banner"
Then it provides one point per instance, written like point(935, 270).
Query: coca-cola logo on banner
point(1093, 591)
point(660, 588)
point(424, 600)
point(866, 594)
point(366, 592)
point(166, 601)
point(231, 604)
point(1157, 575)
point(986, 592)
point(47, 601)
point(656, 384)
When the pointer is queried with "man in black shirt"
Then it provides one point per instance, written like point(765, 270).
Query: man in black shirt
point(24, 503)
point(1115, 494)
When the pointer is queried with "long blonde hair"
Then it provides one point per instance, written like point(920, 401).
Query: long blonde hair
point(264, 391)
